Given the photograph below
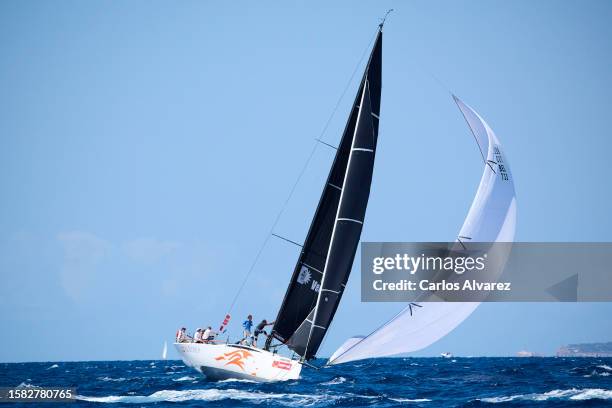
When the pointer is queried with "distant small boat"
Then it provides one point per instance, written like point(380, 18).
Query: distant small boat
point(446, 354)
point(165, 350)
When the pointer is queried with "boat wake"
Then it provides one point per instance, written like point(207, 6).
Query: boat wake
point(256, 397)
point(237, 380)
point(215, 395)
point(572, 394)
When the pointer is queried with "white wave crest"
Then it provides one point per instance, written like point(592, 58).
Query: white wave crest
point(238, 380)
point(410, 400)
point(53, 366)
point(597, 374)
point(27, 385)
point(605, 367)
point(570, 394)
point(214, 395)
point(336, 380)
point(112, 379)
point(185, 378)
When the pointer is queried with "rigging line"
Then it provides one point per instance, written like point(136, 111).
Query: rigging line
point(288, 240)
point(310, 156)
point(437, 80)
point(326, 144)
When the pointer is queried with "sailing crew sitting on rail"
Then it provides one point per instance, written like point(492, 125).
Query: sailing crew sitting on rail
point(208, 335)
point(260, 329)
point(247, 325)
point(197, 337)
point(181, 336)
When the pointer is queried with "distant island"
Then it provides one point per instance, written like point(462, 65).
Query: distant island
point(586, 350)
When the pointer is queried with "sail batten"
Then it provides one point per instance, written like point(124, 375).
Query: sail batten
point(312, 274)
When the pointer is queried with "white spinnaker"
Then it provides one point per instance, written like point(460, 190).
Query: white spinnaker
point(491, 218)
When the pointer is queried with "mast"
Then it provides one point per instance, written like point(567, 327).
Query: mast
point(326, 259)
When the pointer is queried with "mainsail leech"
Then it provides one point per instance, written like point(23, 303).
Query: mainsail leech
point(491, 218)
point(350, 176)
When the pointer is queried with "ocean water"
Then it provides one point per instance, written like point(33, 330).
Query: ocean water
point(390, 382)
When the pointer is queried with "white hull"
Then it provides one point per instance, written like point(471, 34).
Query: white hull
point(224, 361)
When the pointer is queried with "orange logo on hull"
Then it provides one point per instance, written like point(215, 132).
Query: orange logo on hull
point(235, 358)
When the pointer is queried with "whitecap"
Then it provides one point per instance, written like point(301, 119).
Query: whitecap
point(597, 374)
point(569, 394)
point(112, 379)
point(592, 393)
point(336, 380)
point(605, 367)
point(239, 380)
point(214, 395)
point(185, 378)
point(410, 400)
point(53, 366)
point(27, 385)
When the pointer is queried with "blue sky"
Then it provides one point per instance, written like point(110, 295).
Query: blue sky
point(146, 147)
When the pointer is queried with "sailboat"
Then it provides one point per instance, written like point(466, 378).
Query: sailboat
point(491, 218)
point(165, 351)
point(326, 258)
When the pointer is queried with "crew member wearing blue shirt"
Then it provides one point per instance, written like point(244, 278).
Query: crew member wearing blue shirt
point(247, 325)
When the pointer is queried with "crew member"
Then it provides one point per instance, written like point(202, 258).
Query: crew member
point(197, 337)
point(260, 329)
point(247, 325)
point(208, 335)
point(181, 336)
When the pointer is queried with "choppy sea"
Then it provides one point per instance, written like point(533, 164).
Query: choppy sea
point(390, 382)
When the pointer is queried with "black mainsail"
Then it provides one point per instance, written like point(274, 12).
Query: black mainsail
point(326, 259)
